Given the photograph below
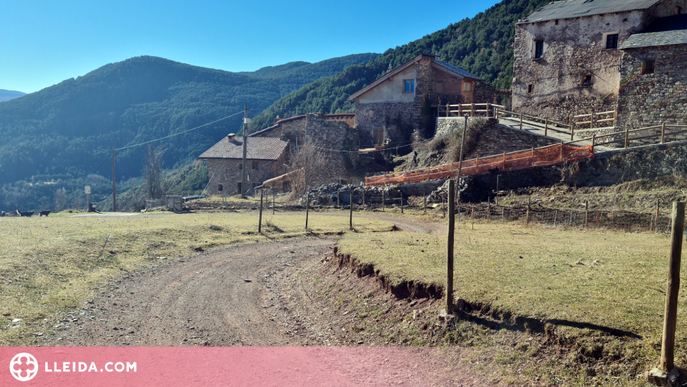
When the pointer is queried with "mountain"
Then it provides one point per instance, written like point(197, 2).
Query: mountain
point(67, 131)
point(481, 45)
point(6, 95)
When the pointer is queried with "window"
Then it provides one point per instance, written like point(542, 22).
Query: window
point(409, 86)
point(530, 88)
point(240, 166)
point(255, 165)
point(538, 49)
point(378, 136)
point(611, 41)
point(648, 66)
point(586, 81)
point(220, 188)
point(678, 10)
point(467, 86)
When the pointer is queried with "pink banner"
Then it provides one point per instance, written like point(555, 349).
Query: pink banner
point(223, 366)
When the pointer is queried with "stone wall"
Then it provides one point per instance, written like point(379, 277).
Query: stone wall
point(399, 119)
point(227, 173)
point(651, 99)
point(494, 139)
point(573, 49)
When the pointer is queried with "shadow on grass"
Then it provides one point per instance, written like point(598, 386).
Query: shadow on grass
point(528, 324)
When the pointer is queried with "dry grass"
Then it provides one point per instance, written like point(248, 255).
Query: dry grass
point(50, 265)
point(600, 289)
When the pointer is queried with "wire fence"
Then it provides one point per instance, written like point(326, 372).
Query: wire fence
point(628, 221)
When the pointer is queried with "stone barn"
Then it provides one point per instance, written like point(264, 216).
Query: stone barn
point(265, 159)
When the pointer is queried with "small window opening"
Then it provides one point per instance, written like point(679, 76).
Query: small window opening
point(678, 10)
point(586, 81)
point(556, 22)
point(538, 49)
point(467, 86)
point(612, 41)
point(409, 86)
point(648, 66)
point(255, 165)
point(220, 188)
point(530, 88)
point(240, 166)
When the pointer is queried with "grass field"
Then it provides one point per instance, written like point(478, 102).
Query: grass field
point(50, 265)
point(582, 284)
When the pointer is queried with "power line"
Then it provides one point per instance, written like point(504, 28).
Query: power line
point(177, 134)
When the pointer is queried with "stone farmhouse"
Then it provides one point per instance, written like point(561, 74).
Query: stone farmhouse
point(571, 57)
point(389, 109)
point(265, 158)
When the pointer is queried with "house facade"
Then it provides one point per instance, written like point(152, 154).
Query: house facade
point(388, 110)
point(568, 57)
point(265, 158)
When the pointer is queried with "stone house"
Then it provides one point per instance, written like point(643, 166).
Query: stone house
point(653, 75)
point(389, 109)
point(265, 157)
point(568, 57)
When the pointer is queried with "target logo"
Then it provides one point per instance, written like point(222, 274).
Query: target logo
point(23, 367)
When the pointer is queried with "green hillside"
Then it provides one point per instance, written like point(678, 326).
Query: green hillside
point(67, 131)
point(481, 45)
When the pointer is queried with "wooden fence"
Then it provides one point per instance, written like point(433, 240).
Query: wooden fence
point(468, 109)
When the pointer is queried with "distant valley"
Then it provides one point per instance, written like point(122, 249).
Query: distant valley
point(6, 95)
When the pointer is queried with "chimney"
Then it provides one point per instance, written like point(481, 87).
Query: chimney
point(230, 137)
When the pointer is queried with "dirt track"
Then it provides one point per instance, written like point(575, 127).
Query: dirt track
point(247, 295)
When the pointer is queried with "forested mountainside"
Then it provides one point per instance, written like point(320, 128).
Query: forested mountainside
point(481, 45)
point(6, 95)
point(67, 131)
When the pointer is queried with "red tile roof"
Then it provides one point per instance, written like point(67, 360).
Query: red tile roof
point(259, 148)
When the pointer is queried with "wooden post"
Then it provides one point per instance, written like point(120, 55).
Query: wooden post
point(472, 215)
point(307, 209)
point(520, 121)
point(488, 107)
point(663, 133)
point(586, 213)
point(615, 116)
point(350, 218)
point(627, 136)
point(592, 120)
point(262, 191)
point(114, 186)
point(447, 110)
point(504, 161)
point(424, 205)
point(383, 197)
point(657, 215)
point(449, 246)
point(673, 288)
point(593, 141)
point(460, 109)
point(546, 127)
point(532, 158)
point(472, 110)
point(527, 217)
point(572, 131)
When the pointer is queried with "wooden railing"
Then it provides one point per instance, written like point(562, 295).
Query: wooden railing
point(594, 119)
point(623, 136)
point(547, 123)
point(468, 109)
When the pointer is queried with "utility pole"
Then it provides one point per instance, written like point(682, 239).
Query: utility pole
point(245, 148)
point(114, 186)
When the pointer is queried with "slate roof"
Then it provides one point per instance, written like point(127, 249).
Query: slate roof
point(259, 148)
point(457, 70)
point(569, 9)
point(653, 39)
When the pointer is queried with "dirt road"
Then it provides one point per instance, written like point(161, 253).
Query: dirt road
point(249, 295)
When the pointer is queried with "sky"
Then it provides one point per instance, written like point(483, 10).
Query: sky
point(46, 42)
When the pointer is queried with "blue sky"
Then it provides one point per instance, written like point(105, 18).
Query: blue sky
point(46, 42)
